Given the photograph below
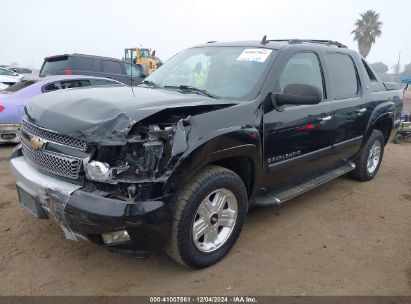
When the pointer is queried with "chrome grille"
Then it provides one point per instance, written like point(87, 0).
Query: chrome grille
point(55, 137)
point(55, 163)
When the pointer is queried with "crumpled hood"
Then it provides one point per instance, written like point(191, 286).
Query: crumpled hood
point(105, 115)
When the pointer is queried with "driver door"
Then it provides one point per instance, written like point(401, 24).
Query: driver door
point(297, 138)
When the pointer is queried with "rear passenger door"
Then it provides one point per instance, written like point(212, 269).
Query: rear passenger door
point(349, 105)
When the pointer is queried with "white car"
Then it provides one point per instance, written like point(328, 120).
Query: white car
point(8, 73)
point(6, 81)
point(20, 71)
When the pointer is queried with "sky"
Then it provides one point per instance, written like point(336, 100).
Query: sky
point(33, 29)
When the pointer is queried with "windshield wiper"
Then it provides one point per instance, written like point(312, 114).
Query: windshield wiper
point(192, 89)
point(150, 83)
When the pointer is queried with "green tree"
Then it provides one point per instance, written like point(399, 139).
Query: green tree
point(366, 30)
point(379, 67)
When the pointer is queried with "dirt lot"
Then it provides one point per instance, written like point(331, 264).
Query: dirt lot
point(345, 238)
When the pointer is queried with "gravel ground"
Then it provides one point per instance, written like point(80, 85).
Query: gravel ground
point(344, 238)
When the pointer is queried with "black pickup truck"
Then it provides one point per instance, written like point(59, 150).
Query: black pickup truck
point(176, 162)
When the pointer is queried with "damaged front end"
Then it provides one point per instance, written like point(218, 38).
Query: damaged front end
point(145, 161)
point(116, 197)
point(106, 176)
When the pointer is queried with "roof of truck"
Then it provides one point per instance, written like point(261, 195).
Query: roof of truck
point(276, 44)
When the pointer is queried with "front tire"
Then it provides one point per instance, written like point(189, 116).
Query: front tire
point(369, 159)
point(209, 213)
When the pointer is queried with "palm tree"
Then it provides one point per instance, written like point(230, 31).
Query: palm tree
point(367, 29)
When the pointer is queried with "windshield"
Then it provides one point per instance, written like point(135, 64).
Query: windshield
point(6, 72)
point(144, 53)
point(226, 72)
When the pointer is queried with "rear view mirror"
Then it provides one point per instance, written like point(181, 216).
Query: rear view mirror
point(298, 94)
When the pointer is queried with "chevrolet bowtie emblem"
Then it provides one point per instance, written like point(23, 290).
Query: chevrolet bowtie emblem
point(37, 143)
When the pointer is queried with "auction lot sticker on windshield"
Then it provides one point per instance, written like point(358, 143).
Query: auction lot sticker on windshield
point(256, 55)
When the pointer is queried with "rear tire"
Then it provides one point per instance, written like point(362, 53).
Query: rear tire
point(369, 159)
point(209, 213)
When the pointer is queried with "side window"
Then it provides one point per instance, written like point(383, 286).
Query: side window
point(69, 84)
point(343, 75)
point(66, 84)
point(112, 67)
point(82, 63)
point(132, 70)
point(302, 68)
point(52, 87)
point(101, 82)
point(370, 73)
point(6, 72)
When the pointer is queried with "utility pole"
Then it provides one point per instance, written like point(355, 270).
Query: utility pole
point(398, 67)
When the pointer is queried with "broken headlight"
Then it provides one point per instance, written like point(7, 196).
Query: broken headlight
point(135, 162)
point(102, 172)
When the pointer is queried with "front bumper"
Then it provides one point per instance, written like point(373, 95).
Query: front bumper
point(9, 133)
point(87, 215)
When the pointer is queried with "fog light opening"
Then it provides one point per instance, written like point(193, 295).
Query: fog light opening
point(120, 236)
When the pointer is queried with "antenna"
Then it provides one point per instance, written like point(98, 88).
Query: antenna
point(131, 72)
point(264, 41)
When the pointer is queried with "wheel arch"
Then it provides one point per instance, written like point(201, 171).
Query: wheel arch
point(382, 119)
point(242, 157)
point(383, 123)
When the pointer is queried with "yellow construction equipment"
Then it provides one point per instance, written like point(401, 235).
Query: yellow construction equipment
point(145, 58)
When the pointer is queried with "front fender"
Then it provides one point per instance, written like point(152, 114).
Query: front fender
point(215, 146)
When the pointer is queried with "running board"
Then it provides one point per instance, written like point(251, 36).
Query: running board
point(282, 195)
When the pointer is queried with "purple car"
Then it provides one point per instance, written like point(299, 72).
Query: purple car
point(14, 98)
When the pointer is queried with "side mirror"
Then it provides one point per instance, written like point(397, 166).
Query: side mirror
point(298, 94)
point(15, 74)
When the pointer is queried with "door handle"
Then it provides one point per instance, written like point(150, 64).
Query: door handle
point(362, 110)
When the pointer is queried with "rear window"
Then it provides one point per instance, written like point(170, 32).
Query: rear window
point(343, 75)
point(54, 64)
point(370, 73)
point(84, 64)
point(18, 86)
